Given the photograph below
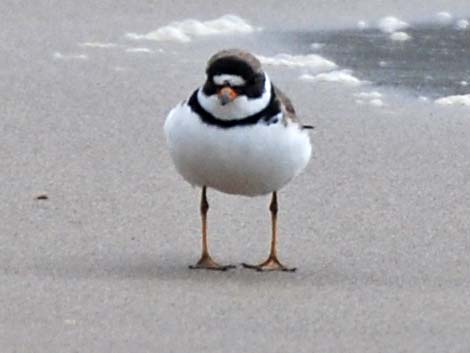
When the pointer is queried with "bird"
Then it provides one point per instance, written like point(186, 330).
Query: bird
point(238, 134)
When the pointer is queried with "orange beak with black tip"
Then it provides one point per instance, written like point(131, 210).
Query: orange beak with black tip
point(227, 95)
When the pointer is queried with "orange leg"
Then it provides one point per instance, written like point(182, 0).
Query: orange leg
point(272, 263)
point(206, 262)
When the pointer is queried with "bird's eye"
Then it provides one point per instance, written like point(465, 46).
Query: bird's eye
point(210, 87)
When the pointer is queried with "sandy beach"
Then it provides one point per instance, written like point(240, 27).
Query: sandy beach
point(377, 224)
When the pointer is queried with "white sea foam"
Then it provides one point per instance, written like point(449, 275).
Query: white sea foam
point(372, 98)
point(317, 46)
point(444, 17)
point(463, 83)
point(400, 36)
point(462, 24)
point(98, 45)
point(183, 31)
point(391, 24)
point(369, 95)
point(139, 50)
point(310, 61)
point(376, 102)
point(362, 24)
point(59, 56)
point(339, 76)
point(454, 100)
point(167, 33)
point(373, 102)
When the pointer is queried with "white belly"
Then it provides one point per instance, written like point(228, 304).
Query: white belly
point(246, 160)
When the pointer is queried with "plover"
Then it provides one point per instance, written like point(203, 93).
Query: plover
point(237, 134)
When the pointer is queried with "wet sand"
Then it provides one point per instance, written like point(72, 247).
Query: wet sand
point(377, 224)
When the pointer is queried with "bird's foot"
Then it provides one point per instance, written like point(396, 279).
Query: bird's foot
point(271, 264)
point(206, 263)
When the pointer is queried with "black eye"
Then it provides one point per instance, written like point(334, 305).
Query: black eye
point(255, 87)
point(209, 88)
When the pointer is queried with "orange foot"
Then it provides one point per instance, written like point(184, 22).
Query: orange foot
point(206, 263)
point(271, 264)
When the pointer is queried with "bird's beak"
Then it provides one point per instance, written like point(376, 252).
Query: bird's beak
point(227, 95)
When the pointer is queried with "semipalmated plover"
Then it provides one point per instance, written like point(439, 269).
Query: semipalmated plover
point(238, 134)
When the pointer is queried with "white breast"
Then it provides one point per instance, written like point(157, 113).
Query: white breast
point(247, 160)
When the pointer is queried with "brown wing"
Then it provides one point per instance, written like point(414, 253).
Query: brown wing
point(288, 108)
point(286, 105)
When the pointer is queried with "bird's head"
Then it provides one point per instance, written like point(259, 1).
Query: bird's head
point(236, 85)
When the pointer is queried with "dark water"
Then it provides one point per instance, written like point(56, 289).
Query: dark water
point(432, 63)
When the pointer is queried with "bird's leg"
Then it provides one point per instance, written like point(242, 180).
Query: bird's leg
point(272, 263)
point(206, 262)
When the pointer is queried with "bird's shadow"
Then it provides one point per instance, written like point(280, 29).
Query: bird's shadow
point(174, 268)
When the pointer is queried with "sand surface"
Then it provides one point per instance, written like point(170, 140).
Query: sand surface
point(378, 224)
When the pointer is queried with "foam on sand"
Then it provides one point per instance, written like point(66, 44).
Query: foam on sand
point(183, 31)
point(338, 76)
point(311, 61)
point(317, 46)
point(454, 100)
point(369, 95)
point(462, 24)
point(400, 36)
point(59, 56)
point(139, 50)
point(444, 17)
point(383, 63)
point(362, 24)
point(98, 45)
point(321, 69)
point(391, 24)
point(167, 33)
point(377, 102)
point(373, 98)
point(119, 68)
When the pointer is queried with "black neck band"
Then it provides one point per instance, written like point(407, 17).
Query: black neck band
point(267, 113)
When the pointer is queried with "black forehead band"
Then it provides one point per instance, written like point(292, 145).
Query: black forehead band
point(232, 66)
